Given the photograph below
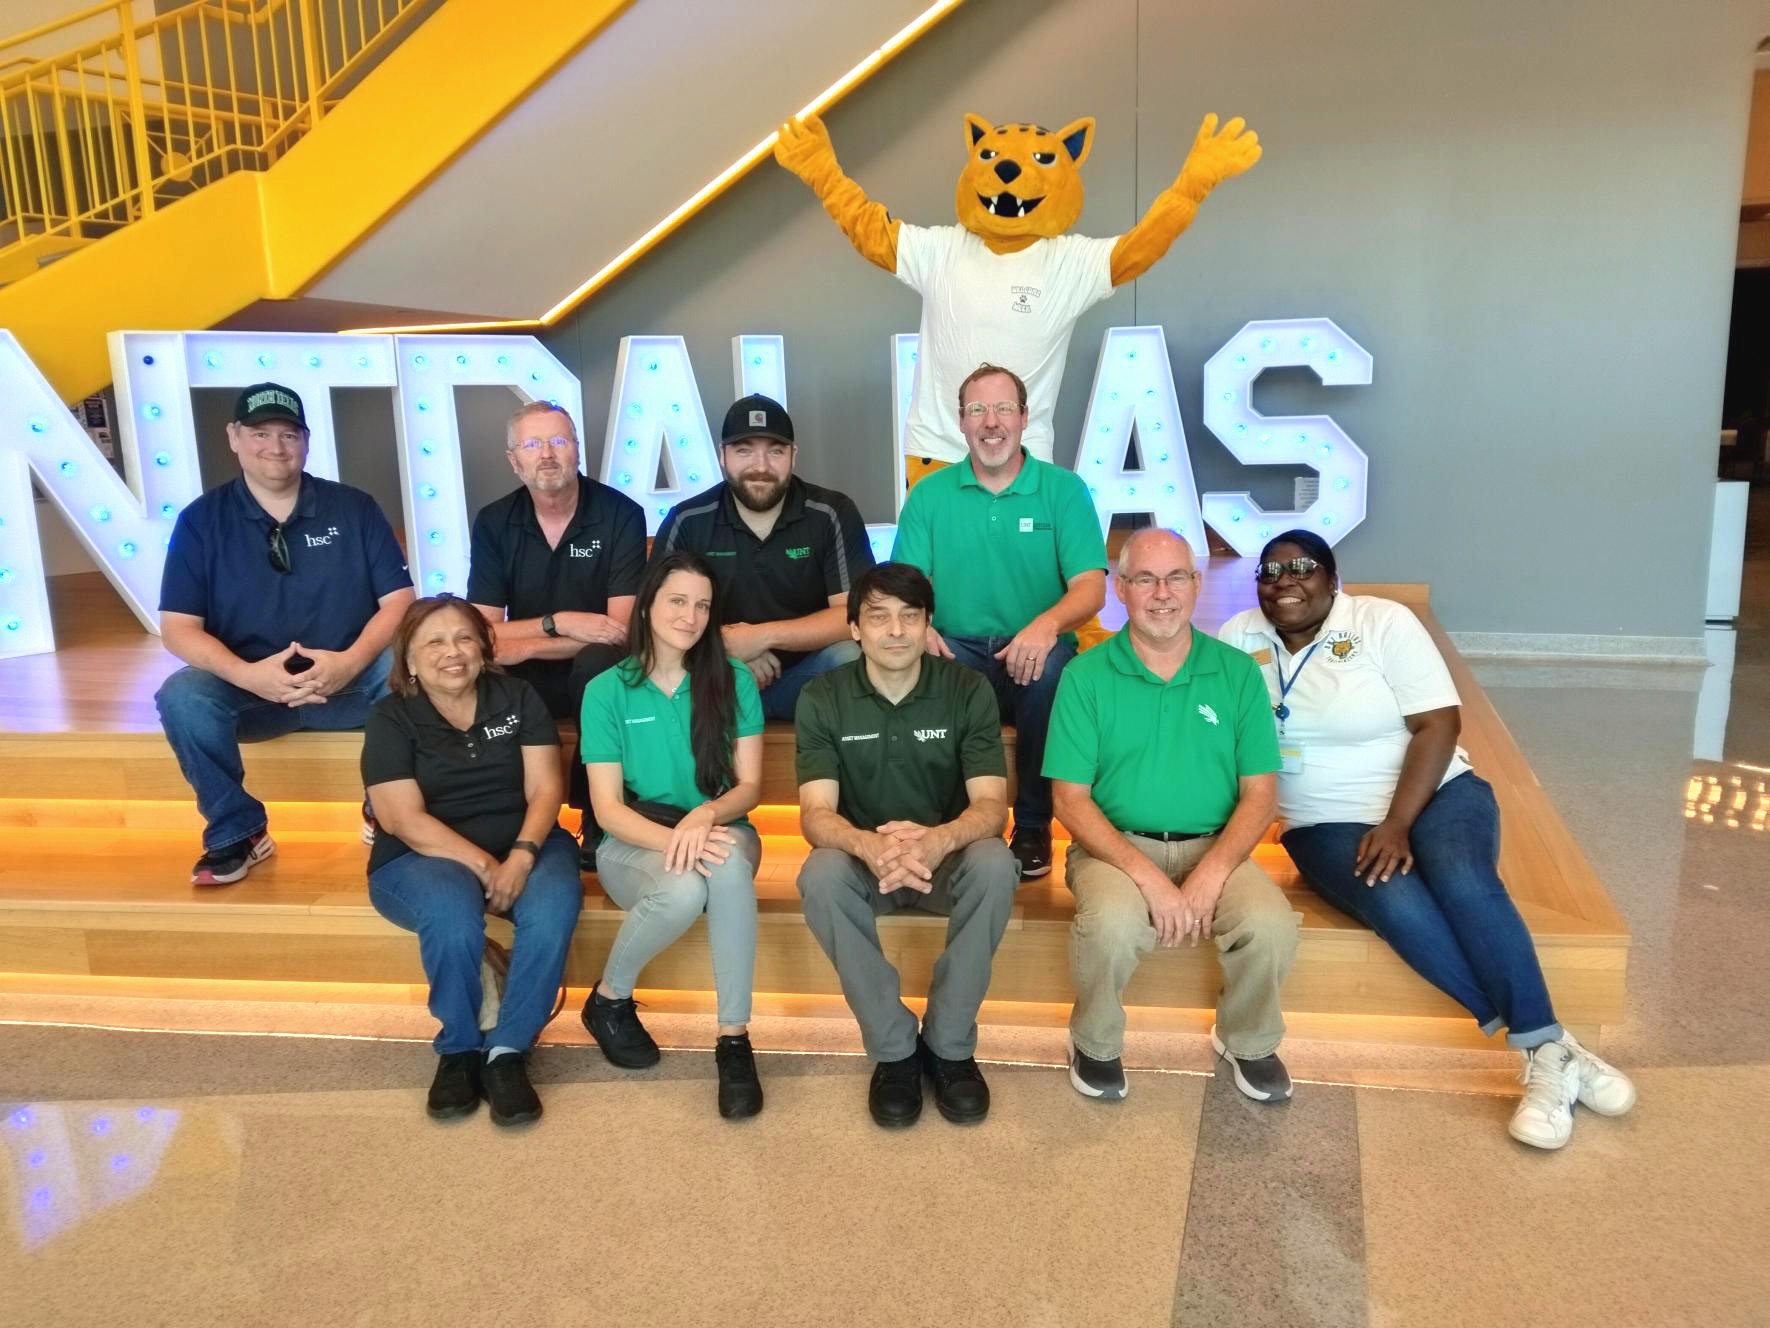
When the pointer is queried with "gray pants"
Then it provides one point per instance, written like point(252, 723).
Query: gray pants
point(661, 905)
point(973, 889)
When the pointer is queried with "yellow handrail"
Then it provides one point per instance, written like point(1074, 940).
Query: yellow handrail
point(120, 124)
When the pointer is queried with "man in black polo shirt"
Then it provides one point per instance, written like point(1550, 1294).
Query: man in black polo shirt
point(554, 567)
point(281, 593)
point(903, 793)
point(785, 554)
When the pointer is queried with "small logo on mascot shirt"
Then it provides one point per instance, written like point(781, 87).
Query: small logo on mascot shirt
point(503, 730)
point(1023, 298)
point(315, 541)
point(928, 735)
point(803, 551)
point(1343, 646)
point(758, 419)
point(1209, 714)
point(589, 550)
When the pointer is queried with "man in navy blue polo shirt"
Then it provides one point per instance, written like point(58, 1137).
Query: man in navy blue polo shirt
point(784, 552)
point(281, 593)
point(555, 565)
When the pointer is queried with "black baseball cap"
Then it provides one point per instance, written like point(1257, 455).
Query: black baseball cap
point(269, 401)
point(756, 416)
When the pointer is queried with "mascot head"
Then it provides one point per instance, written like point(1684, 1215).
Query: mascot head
point(1022, 181)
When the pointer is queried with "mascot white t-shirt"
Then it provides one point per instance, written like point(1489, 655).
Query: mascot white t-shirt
point(1015, 310)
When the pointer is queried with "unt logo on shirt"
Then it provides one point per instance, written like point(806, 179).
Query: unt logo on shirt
point(928, 735)
point(314, 541)
point(589, 550)
point(803, 551)
point(1209, 714)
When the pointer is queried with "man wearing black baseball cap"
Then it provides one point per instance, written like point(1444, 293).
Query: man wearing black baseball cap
point(281, 593)
point(784, 552)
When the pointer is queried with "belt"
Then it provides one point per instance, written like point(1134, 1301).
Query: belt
point(1172, 836)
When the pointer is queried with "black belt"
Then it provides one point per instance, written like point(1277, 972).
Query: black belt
point(1173, 836)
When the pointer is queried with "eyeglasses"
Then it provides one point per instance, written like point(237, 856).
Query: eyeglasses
point(977, 409)
point(1297, 567)
point(558, 441)
point(1144, 582)
point(278, 547)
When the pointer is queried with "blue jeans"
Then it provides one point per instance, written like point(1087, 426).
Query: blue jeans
point(1450, 917)
point(442, 901)
point(781, 697)
point(1028, 709)
point(206, 720)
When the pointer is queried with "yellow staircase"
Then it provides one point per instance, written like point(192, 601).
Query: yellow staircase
point(215, 151)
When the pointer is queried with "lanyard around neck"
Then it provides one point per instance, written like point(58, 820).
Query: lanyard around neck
point(1285, 684)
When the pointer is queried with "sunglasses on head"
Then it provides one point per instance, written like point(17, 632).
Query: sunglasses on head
point(1297, 567)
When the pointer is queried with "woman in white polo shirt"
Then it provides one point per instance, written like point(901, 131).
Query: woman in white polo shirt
point(672, 742)
point(1386, 820)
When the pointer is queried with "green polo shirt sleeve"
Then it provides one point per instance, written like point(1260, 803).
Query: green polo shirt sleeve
point(1072, 742)
point(814, 733)
point(1081, 547)
point(915, 540)
point(980, 746)
point(600, 716)
point(1256, 735)
point(749, 700)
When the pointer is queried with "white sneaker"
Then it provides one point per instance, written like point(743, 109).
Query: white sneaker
point(1544, 1118)
point(1602, 1087)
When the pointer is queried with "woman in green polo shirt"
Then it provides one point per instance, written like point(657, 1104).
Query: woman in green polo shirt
point(672, 743)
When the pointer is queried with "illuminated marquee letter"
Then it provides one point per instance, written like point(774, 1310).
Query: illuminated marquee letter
point(1285, 440)
point(1134, 388)
point(759, 364)
point(430, 368)
point(657, 426)
point(125, 535)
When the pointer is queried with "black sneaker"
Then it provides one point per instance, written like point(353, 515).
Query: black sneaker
point(740, 1091)
point(505, 1082)
point(895, 1095)
point(615, 1026)
point(1032, 850)
point(226, 865)
point(1263, 1080)
point(587, 849)
point(959, 1089)
point(1092, 1078)
point(370, 824)
point(455, 1090)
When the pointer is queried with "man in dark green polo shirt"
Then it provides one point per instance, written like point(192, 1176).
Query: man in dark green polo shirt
point(1014, 549)
point(1163, 759)
point(902, 795)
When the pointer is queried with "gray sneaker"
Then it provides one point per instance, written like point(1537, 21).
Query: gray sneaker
point(1264, 1080)
point(1092, 1078)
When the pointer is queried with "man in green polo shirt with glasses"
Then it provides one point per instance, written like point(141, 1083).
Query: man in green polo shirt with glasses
point(1014, 548)
point(1163, 760)
point(902, 794)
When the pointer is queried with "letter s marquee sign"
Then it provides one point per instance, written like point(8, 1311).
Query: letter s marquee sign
point(657, 446)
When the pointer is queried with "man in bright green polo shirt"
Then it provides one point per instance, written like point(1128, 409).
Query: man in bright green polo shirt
point(1014, 548)
point(902, 794)
point(1163, 760)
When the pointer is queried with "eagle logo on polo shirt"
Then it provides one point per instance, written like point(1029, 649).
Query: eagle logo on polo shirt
point(1209, 714)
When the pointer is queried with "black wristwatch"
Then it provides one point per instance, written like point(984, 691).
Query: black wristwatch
point(533, 848)
point(547, 625)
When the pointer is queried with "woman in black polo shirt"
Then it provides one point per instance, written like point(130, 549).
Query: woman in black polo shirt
point(672, 742)
point(462, 765)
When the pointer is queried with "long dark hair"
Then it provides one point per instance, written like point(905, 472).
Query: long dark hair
point(712, 692)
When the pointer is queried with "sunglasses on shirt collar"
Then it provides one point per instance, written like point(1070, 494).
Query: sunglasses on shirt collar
point(278, 548)
point(1297, 567)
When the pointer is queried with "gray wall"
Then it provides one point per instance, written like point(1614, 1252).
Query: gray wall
point(1525, 211)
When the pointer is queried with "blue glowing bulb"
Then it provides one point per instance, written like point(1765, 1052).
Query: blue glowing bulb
point(1112, 396)
point(503, 361)
point(12, 625)
point(427, 490)
point(1327, 447)
point(144, 1113)
point(423, 404)
point(1342, 484)
point(1265, 343)
point(147, 359)
point(313, 361)
point(632, 443)
point(1265, 532)
point(102, 1125)
point(756, 360)
point(1170, 488)
point(1093, 492)
point(1131, 489)
point(67, 468)
point(1333, 355)
point(168, 510)
point(915, 355)
point(5, 574)
point(265, 361)
point(1305, 342)
point(635, 409)
point(101, 513)
point(1106, 428)
point(1148, 391)
point(22, 1117)
point(1163, 457)
point(1241, 359)
point(651, 366)
point(1241, 428)
point(420, 361)
point(1157, 426)
point(682, 442)
point(1235, 516)
point(1266, 438)
point(37, 1158)
point(694, 477)
point(461, 360)
point(39, 424)
point(626, 478)
point(150, 411)
point(1302, 438)
point(663, 511)
point(1327, 521)
point(1229, 396)
point(676, 408)
point(119, 1161)
point(436, 537)
point(127, 548)
point(212, 360)
point(536, 376)
point(162, 458)
point(362, 361)
point(437, 578)
point(428, 449)
point(1099, 461)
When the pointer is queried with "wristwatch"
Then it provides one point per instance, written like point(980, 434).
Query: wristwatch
point(547, 625)
point(533, 848)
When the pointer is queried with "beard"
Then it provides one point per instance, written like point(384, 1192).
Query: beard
point(750, 493)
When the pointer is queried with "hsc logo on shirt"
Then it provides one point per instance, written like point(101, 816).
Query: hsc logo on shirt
point(315, 541)
point(589, 550)
point(503, 730)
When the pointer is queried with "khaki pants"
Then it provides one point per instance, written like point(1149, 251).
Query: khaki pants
point(1254, 928)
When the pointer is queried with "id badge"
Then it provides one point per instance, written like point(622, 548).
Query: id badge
point(1290, 759)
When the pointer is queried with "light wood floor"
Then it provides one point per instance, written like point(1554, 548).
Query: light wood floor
point(97, 833)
